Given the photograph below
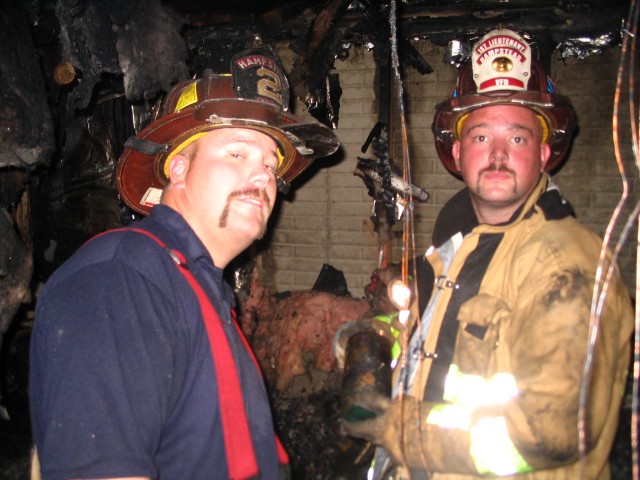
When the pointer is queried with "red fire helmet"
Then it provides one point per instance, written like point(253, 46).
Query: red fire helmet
point(255, 96)
point(502, 71)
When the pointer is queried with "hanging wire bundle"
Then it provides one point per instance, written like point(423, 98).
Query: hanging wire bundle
point(408, 279)
point(625, 80)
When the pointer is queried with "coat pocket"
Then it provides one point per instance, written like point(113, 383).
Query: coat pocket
point(481, 318)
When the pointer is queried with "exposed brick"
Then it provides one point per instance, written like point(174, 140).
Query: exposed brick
point(328, 219)
point(340, 252)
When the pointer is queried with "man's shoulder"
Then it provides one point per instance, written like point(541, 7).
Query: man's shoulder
point(569, 228)
point(124, 249)
point(561, 243)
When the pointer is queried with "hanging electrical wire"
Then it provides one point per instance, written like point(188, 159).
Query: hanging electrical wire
point(408, 241)
point(404, 293)
point(606, 266)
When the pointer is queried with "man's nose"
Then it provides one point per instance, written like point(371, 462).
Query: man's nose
point(499, 153)
point(260, 174)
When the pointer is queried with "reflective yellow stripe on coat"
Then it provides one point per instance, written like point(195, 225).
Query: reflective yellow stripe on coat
point(491, 448)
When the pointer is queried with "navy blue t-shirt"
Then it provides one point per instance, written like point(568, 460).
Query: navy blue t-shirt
point(122, 381)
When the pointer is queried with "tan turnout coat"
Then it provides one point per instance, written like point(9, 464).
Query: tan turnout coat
point(533, 305)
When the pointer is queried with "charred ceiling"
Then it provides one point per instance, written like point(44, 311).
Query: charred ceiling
point(151, 44)
point(574, 28)
point(438, 20)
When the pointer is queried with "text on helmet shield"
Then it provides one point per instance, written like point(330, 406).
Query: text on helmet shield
point(253, 60)
point(501, 52)
point(501, 41)
point(501, 61)
point(259, 77)
point(269, 85)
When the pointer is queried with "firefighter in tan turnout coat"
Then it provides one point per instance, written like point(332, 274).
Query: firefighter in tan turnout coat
point(494, 366)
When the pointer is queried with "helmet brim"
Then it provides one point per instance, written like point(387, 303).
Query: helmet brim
point(301, 141)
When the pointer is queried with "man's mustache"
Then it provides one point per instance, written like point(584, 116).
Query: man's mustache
point(497, 167)
point(259, 193)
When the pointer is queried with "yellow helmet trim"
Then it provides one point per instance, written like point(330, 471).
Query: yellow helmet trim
point(197, 136)
point(543, 122)
point(458, 126)
point(178, 149)
point(545, 128)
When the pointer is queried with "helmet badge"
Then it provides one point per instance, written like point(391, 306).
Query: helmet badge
point(258, 76)
point(501, 61)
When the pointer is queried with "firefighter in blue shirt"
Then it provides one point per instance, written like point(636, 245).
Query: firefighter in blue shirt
point(138, 369)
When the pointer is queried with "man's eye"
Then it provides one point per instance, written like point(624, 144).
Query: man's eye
point(271, 169)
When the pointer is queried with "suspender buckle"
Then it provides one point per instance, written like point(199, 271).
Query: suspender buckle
point(175, 257)
point(443, 282)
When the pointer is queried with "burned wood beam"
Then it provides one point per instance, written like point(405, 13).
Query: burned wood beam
point(310, 72)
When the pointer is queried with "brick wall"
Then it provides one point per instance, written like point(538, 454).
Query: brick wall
point(590, 179)
point(327, 217)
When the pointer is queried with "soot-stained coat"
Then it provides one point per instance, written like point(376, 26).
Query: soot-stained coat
point(498, 357)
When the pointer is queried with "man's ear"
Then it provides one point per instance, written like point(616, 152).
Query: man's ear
point(178, 168)
point(545, 153)
point(455, 152)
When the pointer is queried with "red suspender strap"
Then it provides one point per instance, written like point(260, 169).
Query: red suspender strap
point(241, 459)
